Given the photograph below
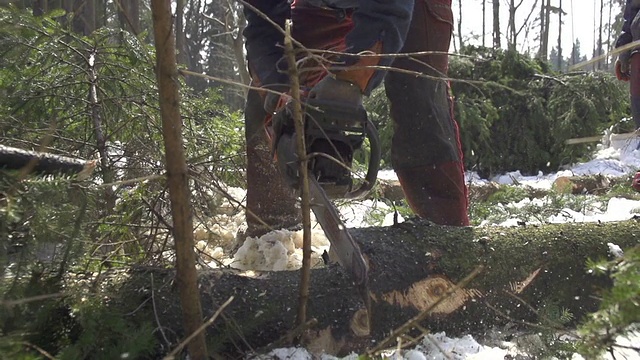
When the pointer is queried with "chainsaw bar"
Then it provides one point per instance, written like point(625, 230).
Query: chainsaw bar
point(343, 245)
point(347, 251)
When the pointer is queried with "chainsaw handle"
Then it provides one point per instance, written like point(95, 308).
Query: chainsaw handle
point(374, 163)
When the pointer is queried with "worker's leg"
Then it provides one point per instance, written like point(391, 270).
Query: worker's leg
point(634, 72)
point(426, 153)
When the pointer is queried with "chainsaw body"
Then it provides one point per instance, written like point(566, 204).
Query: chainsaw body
point(332, 133)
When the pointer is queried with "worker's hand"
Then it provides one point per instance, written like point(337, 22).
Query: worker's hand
point(622, 67)
point(339, 91)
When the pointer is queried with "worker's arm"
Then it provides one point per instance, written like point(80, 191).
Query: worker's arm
point(630, 10)
point(264, 41)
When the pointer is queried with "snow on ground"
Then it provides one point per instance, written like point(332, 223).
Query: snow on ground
point(281, 249)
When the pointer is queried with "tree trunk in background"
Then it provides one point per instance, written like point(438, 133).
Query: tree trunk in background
point(544, 40)
point(496, 24)
point(83, 21)
point(511, 33)
point(600, 32)
point(129, 15)
point(238, 49)
point(560, 36)
point(40, 7)
point(529, 271)
point(547, 26)
point(84, 17)
point(177, 177)
point(460, 24)
point(235, 24)
point(610, 40)
point(89, 15)
point(106, 170)
point(484, 23)
point(181, 41)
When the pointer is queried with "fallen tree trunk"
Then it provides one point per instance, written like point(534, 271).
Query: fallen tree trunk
point(43, 163)
point(529, 271)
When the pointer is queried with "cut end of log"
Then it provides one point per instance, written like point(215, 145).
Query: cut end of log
point(423, 294)
point(87, 170)
point(360, 325)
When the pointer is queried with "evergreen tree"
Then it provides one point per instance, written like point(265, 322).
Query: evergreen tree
point(554, 60)
point(575, 57)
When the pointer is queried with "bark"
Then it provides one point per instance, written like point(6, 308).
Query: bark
point(40, 7)
point(181, 40)
point(560, 13)
point(512, 25)
point(460, 24)
point(43, 163)
point(610, 40)
point(542, 52)
point(98, 129)
point(89, 16)
point(496, 24)
point(484, 23)
point(528, 271)
point(547, 21)
point(177, 177)
point(600, 32)
point(129, 15)
point(237, 17)
point(83, 16)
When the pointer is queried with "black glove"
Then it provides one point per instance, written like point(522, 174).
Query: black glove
point(334, 90)
point(271, 99)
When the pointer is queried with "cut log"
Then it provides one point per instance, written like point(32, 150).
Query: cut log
point(44, 163)
point(529, 271)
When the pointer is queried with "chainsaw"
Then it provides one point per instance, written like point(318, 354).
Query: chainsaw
point(332, 133)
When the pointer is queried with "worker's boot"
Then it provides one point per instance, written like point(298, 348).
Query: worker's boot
point(437, 192)
point(271, 203)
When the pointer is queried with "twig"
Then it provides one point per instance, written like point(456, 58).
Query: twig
point(184, 343)
point(434, 342)
point(82, 212)
point(522, 322)
point(421, 316)
point(615, 51)
point(132, 181)
point(552, 322)
point(233, 324)
point(155, 313)
point(628, 347)
point(157, 215)
point(228, 196)
point(301, 150)
point(42, 351)
point(288, 338)
point(10, 303)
